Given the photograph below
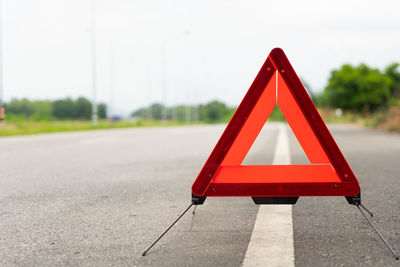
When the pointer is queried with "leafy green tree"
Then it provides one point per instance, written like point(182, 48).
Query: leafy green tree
point(42, 110)
point(102, 111)
point(22, 107)
point(83, 109)
point(215, 111)
point(359, 88)
point(393, 72)
point(64, 109)
point(155, 110)
point(140, 113)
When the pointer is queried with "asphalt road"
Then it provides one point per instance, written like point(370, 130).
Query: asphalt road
point(100, 198)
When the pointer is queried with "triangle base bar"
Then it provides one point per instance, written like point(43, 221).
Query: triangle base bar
point(275, 200)
point(279, 189)
point(355, 200)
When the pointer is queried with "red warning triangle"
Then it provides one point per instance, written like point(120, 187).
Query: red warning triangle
point(328, 174)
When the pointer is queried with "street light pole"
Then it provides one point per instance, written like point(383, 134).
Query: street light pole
point(163, 72)
point(1, 62)
point(188, 111)
point(93, 59)
point(163, 83)
point(112, 81)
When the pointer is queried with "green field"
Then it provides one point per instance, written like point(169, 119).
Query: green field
point(36, 127)
point(22, 126)
point(388, 121)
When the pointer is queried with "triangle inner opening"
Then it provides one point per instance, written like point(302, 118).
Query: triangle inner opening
point(262, 151)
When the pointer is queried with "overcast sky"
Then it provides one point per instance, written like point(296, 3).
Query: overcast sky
point(46, 45)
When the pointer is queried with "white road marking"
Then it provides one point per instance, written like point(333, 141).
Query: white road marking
point(271, 242)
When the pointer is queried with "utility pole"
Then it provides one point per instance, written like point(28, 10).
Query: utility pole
point(163, 72)
point(163, 83)
point(1, 63)
point(148, 87)
point(112, 81)
point(95, 119)
point(188, 110)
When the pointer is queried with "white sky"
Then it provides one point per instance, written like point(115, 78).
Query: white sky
point(46, 45)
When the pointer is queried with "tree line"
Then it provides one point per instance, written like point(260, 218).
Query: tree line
point(47, 110)
point(359, 88)
point(362, 89)
point(213, 111)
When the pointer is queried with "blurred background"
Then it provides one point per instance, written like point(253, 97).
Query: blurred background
point(87, 64)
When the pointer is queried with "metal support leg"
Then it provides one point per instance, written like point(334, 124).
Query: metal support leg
point(370, 213)
point(379, 234)
point(180, 216)
point(194, 210)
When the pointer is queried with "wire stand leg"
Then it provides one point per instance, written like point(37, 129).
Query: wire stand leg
point(180, 216)
point(367, 210)
point(194, 210)
point(379, 234)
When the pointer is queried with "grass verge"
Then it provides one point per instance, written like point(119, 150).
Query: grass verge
point(388, 120)
point(33, 127)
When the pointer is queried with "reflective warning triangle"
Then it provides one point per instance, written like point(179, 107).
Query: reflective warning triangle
point(329, 174)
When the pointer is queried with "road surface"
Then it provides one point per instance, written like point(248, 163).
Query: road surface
point(99, 198)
